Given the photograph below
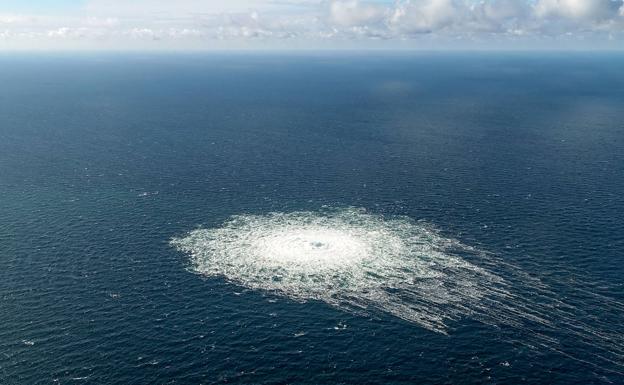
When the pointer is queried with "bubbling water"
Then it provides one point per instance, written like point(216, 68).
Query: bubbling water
point(350, 259)
point(365, 263)
point(316, 245)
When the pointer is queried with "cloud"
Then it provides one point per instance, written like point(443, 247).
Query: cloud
point(420, 16)
point(12, 19)
point(353, 13)
point(175, 8)
point(587, 10)
point(318, 23)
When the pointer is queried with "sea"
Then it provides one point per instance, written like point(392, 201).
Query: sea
point(370, 217)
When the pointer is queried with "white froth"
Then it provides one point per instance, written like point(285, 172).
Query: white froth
point(311, 245)
point(350, 259)
point(362, 262)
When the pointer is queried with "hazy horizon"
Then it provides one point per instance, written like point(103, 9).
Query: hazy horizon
point(312, 24)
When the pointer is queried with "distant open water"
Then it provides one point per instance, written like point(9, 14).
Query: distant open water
point(510, 163)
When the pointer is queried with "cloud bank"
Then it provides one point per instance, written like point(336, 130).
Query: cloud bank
point(199, 24)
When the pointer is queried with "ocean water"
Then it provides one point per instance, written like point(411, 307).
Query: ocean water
point(320, 218)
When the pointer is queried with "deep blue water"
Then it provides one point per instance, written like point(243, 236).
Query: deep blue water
point(105, 158)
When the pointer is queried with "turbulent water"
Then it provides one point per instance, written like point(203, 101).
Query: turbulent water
point(361, 218)
point(361, 262)
point(348, 258)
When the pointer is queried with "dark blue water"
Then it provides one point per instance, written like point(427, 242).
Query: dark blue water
point(105, 158)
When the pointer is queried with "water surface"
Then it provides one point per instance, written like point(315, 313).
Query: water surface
point(104, 159)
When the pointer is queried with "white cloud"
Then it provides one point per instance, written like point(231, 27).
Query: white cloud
point(318, 23)
point(175, 8)
point(504, 9)
point(12, 19)
point(108, 22)
point(353, 13)
point(142, 33)
point(426, 15)
point(578, 9)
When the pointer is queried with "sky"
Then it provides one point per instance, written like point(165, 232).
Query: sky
point(311, 24)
